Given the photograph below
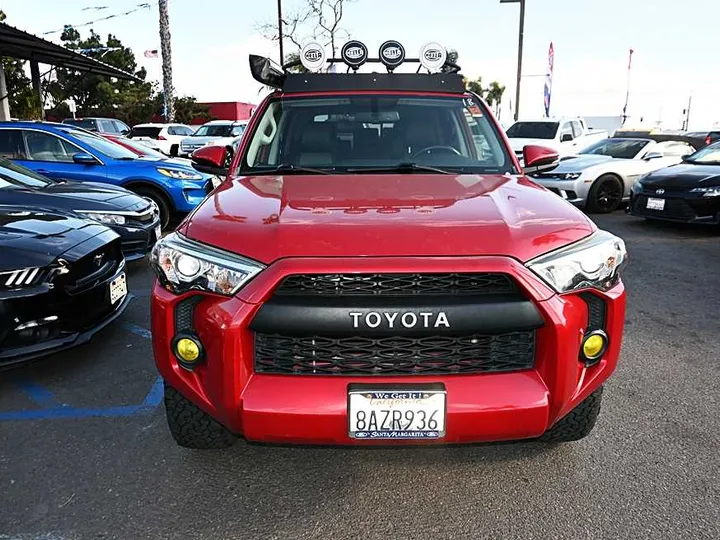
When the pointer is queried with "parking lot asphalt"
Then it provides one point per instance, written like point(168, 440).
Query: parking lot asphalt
point(85, 452)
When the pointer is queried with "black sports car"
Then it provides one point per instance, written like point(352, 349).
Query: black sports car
point(62, 279)
point(687, 192)
point(134, 218)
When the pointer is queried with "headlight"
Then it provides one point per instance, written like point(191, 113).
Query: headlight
point(182, 264)
point(593, 262)
point(180, 175)
point(570, 176)
point(707, 191)
point(107, 219)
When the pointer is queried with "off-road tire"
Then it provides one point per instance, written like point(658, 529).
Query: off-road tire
point(578, 423)
point(191, 427)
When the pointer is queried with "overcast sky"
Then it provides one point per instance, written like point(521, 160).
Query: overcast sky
point(673, 43)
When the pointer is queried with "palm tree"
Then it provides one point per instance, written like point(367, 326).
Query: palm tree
point(165, 48)
point(494, 95)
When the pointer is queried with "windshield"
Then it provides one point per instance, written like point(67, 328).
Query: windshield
point(533, 130)
point(356, 132)
point(145, 131)
point(82, 123)
point(16, 176)
point(141, 149)
point(617, 148)
point(709, 154)
point(217, 130)
point(103, 146)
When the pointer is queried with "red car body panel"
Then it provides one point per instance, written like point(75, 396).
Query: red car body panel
point(312, 409)
point(268, 217)
point(367, 223)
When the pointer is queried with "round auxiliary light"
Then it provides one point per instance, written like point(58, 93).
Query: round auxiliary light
point(433, 56)
point(594, 346)
point(392, 54)
point(188, 350)
point(312, 56)
point(354, 53)
point(188, 267)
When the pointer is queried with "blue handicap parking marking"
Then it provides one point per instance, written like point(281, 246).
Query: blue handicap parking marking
point(50, 409)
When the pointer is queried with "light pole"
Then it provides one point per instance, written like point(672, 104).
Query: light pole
point(280, 33)
point(520, 51)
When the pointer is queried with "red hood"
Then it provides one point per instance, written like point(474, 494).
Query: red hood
point(270, 217)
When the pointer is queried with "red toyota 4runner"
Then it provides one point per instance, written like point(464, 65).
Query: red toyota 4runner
point(376, 268)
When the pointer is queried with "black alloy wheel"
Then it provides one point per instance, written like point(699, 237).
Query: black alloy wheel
point(605, 195)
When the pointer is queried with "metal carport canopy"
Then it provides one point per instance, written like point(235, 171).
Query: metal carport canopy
point(18, 44)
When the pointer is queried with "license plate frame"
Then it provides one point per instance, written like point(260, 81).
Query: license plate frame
point(655, 204)
point(386, 402)
point(118, 289)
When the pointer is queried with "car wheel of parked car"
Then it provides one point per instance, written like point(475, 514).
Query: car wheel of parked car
point(578, 423)
point(174, 150)
point(192, 427)
point(164, 205)
point(605, 194)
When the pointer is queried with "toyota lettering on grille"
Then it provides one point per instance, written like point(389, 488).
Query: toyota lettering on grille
point(375, 319)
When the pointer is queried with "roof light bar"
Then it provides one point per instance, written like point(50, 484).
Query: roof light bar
point(433, 58)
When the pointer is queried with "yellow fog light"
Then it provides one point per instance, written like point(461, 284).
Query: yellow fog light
point(594, 345)
point(188, 350)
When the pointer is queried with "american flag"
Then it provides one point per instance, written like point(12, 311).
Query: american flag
point(152, 53)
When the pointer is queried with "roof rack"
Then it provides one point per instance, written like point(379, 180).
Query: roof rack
point(441, 74)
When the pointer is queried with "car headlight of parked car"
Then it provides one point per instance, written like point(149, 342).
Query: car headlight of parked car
point(182, 265)
point(707, 191)
point(594, 262)
point(103, 217)
point(570, 176)
point(179, 175)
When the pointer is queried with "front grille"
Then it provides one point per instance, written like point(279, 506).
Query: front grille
point(396, 355)
point(184, 312)
point(674, 209)
point(92, 268)
point(396, 284)
point(596, 311)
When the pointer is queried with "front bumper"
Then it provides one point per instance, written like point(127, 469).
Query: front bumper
point(138, 238)
point(679, 206)
point(70, 329)
point(573, 191)
point(312, 409)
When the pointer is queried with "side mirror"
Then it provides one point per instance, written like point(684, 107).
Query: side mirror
point(566, 137)
point(653, 155)
point(124, 132)
point(210, 160)
point(539, 158)
point(82, 158)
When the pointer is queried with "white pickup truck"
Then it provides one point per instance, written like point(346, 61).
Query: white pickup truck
point(566, 135)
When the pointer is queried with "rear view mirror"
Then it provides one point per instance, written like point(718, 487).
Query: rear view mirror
point(83, 158)
point(211, 160)
point(539, 158)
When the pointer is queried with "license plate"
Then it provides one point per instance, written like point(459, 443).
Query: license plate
point(656, 204)
point(158, 232)
point(118, 289)
point(396, 414)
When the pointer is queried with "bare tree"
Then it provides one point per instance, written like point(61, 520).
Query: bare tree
point(317, 19)
point(168, 89)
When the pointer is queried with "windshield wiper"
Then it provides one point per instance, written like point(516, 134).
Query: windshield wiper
point(287, 168)
point(404, 167)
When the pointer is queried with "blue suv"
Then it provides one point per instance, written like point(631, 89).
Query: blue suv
point(66, 152)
